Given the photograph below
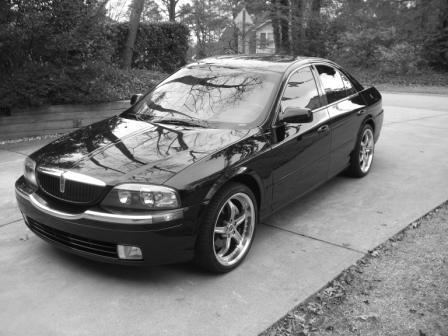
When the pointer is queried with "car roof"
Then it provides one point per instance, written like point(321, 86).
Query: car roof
point(276, 63)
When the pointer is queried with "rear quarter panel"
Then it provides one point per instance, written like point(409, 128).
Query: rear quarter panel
point(375, 111)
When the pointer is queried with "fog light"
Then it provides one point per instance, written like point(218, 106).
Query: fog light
point(129, 252)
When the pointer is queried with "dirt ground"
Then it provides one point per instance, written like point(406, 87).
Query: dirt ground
point(400, 288)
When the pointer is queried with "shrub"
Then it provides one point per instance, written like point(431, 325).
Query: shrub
point(60, 32)
point(67, 51)
point(158, 46)
point(360, 48)
point(36, 84)
point(435, 48)
point(400, 58)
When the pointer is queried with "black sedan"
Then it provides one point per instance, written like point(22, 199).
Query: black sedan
point(190, 169)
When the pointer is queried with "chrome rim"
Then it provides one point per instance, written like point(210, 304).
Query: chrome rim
point(366, 150)
point(234, 229)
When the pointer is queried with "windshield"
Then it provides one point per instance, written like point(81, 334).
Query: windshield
point(210, 95)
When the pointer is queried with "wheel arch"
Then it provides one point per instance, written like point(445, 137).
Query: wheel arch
point(369, 121)
point(244, 176)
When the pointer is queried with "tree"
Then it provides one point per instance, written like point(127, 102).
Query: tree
point(279, 15)
point(297, 26)
point(170, 6)
point(151, 12)
point(134, 20)
point(207, 19)
point(313, 33)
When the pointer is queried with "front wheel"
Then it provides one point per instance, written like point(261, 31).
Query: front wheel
point(228, 229)
point(362, 156)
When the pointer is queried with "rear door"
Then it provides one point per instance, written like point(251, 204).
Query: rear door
point(301, 154)
point(346, 109)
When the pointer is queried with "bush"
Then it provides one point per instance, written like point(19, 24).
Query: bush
point(435, 49)
point(67, 51)
point(378, 50)
point(60, 33)
point(360, 48)
point(36, 84)
point(159, 46)
point(400, 58)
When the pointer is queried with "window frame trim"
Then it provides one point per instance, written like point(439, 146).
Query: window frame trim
point(279, 101)
point(322, 87)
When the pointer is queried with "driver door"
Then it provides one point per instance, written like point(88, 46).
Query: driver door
point(302, 151)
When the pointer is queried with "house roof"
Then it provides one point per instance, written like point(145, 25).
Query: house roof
point(261, 25)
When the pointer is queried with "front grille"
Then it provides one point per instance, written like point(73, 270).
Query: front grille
point(75, 192)
point(72, 241)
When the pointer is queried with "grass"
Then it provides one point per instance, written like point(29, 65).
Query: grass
point(400, 288)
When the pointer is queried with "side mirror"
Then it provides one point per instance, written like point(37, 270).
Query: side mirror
point(296, 115)
point(135, 98)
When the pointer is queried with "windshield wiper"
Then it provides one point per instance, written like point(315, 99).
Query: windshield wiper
point(182, 122)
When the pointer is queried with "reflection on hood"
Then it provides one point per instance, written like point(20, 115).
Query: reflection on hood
point(119, 149)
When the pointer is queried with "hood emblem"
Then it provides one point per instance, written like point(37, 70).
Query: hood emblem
point(62, 183)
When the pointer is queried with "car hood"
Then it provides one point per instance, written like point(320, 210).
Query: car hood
point(123, 150)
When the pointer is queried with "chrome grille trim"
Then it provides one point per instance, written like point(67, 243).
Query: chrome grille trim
point(69, 186)
point(72, 176)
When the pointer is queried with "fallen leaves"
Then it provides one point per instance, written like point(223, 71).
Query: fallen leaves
point(368, 317)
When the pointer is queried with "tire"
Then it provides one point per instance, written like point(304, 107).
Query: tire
point(226, 233)
point(362, 156)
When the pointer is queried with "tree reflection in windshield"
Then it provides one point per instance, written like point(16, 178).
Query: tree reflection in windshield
point(217, 95)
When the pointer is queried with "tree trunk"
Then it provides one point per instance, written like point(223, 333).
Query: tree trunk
point(284, 26)
point(297, 31)
point(172, 10)
point(136, 12)
point(273, 13)
point(313, 32)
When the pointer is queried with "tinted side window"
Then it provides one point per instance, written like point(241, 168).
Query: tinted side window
point(301, 91)
point(332, 82)
point(354, 82)
point(349, 87)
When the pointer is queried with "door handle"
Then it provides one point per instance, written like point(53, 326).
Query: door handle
point(323, 129)
point(361, 112)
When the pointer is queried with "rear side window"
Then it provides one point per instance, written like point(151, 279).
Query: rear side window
point(349, 87)
point(353, 81)
point(301, 91)
point(332, 82)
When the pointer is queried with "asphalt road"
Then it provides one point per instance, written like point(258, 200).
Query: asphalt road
point(297, 251)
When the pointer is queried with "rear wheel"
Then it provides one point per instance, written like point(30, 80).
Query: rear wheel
point(362, 156)
point(228, 229)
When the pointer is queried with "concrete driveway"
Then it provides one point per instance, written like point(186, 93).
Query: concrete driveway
point(297, 251)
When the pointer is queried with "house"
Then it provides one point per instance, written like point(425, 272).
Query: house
point(259, 39)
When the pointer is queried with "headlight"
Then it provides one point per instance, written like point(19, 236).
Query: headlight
point(30, 171)
point(142, 196)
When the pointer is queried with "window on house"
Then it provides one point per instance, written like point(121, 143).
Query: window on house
point(263, 41)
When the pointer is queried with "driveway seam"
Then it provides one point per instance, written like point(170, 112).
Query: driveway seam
point(427, 126)
point(11, 151)
point(410, 120)
point(14, 221)
point(317, 239)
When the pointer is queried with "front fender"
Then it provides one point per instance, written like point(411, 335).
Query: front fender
point(240, 174)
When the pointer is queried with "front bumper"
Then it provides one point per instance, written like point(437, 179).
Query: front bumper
point(164, 236)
